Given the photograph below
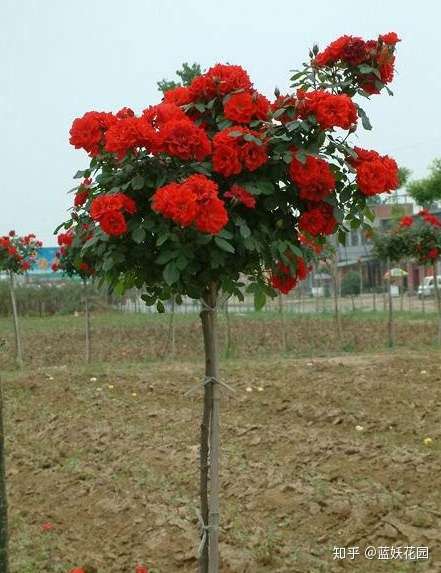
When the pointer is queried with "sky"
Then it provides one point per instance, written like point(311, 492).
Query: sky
point(62, 58)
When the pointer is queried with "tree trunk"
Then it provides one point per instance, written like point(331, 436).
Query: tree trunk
point(228, 335)
point(390, 325)
point(4, 565)
point(283, 324)
point(438, 299)
point(172, 330)
point(334, 274)
point(210, 435)
point(87, 321)
point(18, 347)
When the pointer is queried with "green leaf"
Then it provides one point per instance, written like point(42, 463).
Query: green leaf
point(364, 119)
point(148, 299)
point(160, 307)
point(166, 256)
point(259, 299)
point(224, 245)
point(138, 235)
point(200, 107)
point(138, 182)
point(162, 239)
point(81, 174)
point(171, 273)
point(244, 230)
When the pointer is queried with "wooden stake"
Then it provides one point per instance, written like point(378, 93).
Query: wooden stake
point(438, 298)
point(390, 325)
point(87, 320)
point(283, 323)
point(172, 330)
point(18, 347)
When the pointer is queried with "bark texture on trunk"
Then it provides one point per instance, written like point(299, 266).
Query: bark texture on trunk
point(210, 436)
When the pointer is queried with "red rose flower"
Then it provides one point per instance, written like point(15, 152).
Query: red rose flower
point(128, 134)
point(113, 223)
point(87, 132)
point(80, 197)
point(245, 106)
point(178, 96)
point(349, 49)
point(283, 280)
point(65, 238)
point(226, 159)
point(158, 115)
point(241, 195)
point(192, 202)
point(318, 220)
point(329, 110)
point(125, 112)
point(184, 139)
point(375, 173)
point(314, 178)
point(218, 81)
point(432, 254)
point(391, 38)
point(406, 221)
point(253, 155)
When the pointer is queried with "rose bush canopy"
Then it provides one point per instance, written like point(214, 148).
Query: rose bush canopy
point(216, 183)
point(18, 253)
point(417, 238)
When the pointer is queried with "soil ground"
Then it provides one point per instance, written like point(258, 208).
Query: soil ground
point(317, 452)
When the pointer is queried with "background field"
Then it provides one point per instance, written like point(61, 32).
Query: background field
point(322, 444)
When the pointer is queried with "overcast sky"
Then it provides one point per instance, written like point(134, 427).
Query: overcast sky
point(61, 58)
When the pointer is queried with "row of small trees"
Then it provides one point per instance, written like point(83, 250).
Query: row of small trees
point(415, 238)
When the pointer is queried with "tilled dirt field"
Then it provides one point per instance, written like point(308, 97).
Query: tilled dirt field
point(117, 338)
point(316, 453)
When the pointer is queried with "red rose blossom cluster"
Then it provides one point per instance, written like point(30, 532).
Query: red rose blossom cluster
point(243, 107)
point(282, 278)
point(195, 202)
point(238, 148)
point(430, 218)
point(406, 221)
point(241, 195)
point(17, 253)
point(354, 51)
point(329, 110)
point(313, 178)
point(108, 211)
point(319, 220)
point(375, 173)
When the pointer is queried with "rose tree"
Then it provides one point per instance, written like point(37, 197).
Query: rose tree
point(210, 190)
point(422, 235)
point(16, 257)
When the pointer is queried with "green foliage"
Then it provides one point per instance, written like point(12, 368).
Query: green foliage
point(155, 252)
point(350, 284)
point(427, 191)
point(48, 299)
point(404, 174)
point(186, 74)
